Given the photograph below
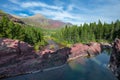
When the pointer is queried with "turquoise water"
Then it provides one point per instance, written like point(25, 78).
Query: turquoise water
point(94, 68)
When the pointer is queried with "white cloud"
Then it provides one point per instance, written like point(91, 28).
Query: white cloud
point(12, 7)
point(66, 16)
point(39, 4)
point(106, 12)
point(33, 4)
point(23, 15)
point(15, 1)
point(66, 12)
point(59, 3)
point(58, 15)
point(70, 7)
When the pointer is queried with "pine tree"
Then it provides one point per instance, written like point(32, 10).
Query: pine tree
point(4, 26)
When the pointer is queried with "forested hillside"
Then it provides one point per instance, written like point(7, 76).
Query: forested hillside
point(31, 35)
point(89, 32)
point(98, 32)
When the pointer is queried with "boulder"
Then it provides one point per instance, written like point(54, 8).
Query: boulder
point(106, 45)
point(59, 56)
point(92, 48)
point(78, 49)
point(15, 44)
point(115, 58)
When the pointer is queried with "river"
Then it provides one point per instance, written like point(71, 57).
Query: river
point(94, 68)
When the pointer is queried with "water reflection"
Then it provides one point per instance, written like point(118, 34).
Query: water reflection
point(80, 69)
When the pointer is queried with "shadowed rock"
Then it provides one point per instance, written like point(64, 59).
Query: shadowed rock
point(115, 58)
point(18, 57)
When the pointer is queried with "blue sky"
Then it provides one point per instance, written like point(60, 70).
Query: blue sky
point(73, 11)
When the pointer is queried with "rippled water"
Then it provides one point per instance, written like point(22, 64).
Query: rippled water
point(94, 68)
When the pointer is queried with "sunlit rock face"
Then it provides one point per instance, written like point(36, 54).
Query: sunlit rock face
point(115, 58)
point(18, 57)
point(92, 48)
point(9, 45)
point(106, 45)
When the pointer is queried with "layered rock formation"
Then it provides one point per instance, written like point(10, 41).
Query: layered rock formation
point(115, 58)
point(92, 48)
point(17, 57)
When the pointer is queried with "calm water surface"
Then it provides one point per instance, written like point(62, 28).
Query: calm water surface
point(94, 68)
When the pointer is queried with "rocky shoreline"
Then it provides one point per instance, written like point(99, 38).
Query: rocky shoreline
point(17, 57)
point(114, 63)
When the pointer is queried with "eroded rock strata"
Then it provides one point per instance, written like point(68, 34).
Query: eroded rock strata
point(92, 48)
point(17, 57)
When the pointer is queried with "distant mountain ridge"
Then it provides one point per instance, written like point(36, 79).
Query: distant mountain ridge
point(39, 20)
point(36, 20)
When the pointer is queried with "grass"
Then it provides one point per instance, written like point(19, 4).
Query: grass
point(52, 47)
point(49, 32)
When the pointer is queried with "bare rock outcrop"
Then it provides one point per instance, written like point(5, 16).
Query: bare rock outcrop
point(18, 57)
point(92, 48)
point(115, 59)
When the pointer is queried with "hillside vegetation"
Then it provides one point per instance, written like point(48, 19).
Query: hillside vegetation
point(29, 34)
point(88, 32)
point(97, 32)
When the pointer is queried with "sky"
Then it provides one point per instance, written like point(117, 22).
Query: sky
point(73, 11)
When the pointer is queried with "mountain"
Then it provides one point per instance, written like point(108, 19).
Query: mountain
point(36, 20)
point(39, 20)
point(12, 18)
